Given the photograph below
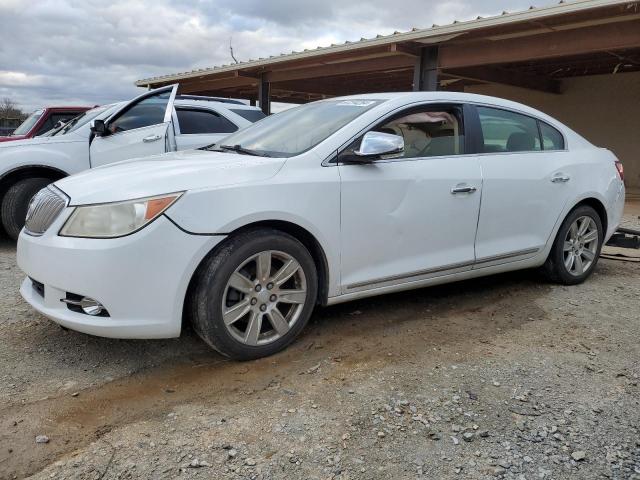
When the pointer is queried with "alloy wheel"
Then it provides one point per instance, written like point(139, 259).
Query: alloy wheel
point(581, 246)
point(264, 298)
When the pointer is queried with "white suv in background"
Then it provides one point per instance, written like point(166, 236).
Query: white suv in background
point(155, 122)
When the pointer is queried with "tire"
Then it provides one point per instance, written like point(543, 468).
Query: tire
point(230, 289)
point(16, 202)
point(558, 267)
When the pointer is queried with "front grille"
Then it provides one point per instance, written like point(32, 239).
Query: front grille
point(44, 208)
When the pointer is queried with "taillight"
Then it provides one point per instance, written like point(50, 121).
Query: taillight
point(620, 169)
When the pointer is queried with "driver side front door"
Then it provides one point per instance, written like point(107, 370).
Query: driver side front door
point(414, 217)
point(139, 129)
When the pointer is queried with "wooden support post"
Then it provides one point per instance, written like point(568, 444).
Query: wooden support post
point(425, 72)
point(264, 95)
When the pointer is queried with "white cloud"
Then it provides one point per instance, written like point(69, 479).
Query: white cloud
point(91, 51)
point(20, 79)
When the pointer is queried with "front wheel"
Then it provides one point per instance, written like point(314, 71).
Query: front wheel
point(577, 246)
point(255, 295)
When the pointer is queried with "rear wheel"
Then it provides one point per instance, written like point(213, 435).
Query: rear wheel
point(255, 295)
point(577, 246)
point(16, 202)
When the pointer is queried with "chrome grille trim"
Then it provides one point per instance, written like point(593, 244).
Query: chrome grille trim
point(44, 208)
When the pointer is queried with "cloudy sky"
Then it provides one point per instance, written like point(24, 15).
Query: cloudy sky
point(91, 51)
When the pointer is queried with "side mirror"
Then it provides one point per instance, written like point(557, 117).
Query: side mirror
point(377, 144)
point(99, 128)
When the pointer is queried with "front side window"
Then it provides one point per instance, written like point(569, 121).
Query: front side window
point(430, 131)
point(148, 111)
point(552, 139)
point(194, 121)
point(506, 131)
point(28, 124)
point(294, 131)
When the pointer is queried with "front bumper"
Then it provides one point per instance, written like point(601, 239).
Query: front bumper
point(141, 279)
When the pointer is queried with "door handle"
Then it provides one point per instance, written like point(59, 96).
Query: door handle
point(560, 178)
point(463, 189)
point(151, 138)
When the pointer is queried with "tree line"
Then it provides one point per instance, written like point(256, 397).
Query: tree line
point(10, 109)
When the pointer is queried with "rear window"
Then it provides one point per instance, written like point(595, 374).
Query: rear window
point(552, 139)
point(250, 115)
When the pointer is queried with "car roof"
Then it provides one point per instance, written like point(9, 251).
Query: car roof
point(191, 100)
point(458, 97)
point(435, 96)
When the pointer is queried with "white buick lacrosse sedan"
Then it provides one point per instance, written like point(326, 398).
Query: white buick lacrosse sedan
point(324, 203)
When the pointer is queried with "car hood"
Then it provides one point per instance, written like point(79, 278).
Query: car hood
point(167, 173)
point(41, 141)
point(11, 138)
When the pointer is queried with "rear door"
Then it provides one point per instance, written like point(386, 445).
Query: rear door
point(200, 126)
point(139, 129)
point(526, 184)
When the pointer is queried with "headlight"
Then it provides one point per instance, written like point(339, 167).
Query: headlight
point(108, 220)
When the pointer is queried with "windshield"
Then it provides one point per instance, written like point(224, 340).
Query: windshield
point(81, 120)
point(28, 124)
point(298, 129)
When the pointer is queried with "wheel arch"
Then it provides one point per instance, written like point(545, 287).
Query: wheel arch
point(28, 171)
point(310, 242)
point(598, 206)
point(301, 234)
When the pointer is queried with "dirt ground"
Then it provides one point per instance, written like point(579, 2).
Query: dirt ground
point(507, 376)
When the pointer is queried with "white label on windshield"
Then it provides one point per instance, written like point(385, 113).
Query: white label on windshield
point(356, 103)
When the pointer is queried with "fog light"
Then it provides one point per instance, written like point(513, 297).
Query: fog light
point(91, 306)
point(86, 304)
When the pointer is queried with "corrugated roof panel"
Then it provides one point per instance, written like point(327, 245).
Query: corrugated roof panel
point(412, 35)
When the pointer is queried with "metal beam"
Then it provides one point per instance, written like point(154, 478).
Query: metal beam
point(425, 72)
point(507, 77)
point(389, 62)
point(264, 95)
point(215, 84)
point(601, 38)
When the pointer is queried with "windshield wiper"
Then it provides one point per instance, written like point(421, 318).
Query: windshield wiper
point(244, 151)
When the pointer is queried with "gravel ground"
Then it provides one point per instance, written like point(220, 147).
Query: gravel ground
point(506, 376)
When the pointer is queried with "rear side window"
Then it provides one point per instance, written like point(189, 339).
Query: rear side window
point(194, 121)
point(505, 131)
point(250, 115)
point(552, 139)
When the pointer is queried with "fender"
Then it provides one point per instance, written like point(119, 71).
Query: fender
point(331, 262)
point(68, 157)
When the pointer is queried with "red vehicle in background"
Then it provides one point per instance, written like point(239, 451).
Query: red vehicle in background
point(43, 120)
